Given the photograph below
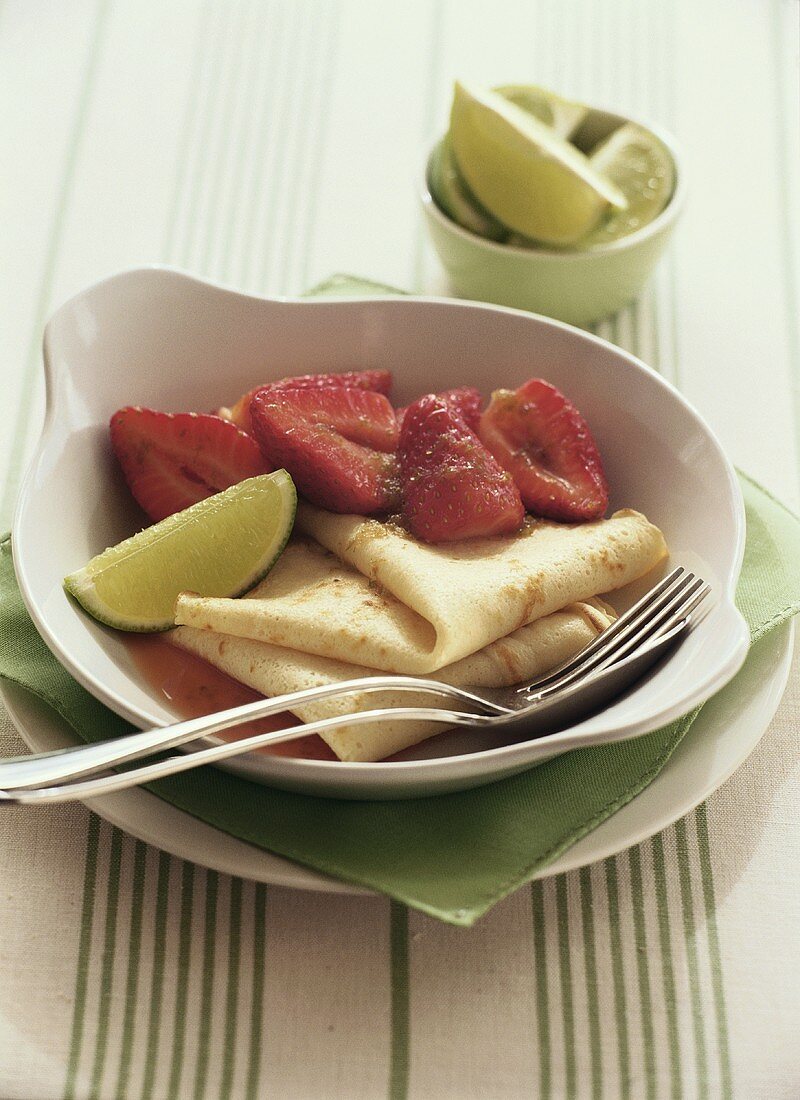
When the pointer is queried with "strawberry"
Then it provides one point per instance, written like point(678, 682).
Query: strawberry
point(466, 400)
point(539, 436)
point(172, 460)
point(380, 381)
point(337, 442)
point(452, 487)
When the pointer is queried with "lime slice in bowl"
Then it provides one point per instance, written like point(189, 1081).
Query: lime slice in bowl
point(563, 116)
point(641, 166)
point(221, 546)
point(529, 178)
point(450, 190)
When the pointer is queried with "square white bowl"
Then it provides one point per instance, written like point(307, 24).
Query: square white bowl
point(164, 339)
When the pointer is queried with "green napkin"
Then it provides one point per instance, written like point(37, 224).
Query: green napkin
point(451, 856)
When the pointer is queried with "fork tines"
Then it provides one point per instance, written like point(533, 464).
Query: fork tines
point(672, 599)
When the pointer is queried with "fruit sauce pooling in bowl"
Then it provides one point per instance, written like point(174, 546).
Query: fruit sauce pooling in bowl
point(193, 687)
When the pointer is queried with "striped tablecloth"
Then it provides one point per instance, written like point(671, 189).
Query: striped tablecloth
point(268, 143)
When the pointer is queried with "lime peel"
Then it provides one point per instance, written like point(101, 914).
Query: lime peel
point(221, 546)
point(450, 190)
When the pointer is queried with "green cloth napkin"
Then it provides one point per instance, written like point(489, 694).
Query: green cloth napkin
point(452, 856)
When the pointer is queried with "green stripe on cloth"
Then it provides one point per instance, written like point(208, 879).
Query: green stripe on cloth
point(257, 997)
point(207, 985)
point(108, 962)
point(182, 990)
point(232, 991)
point(565, 983)
point(667, 965)
point(618, 979)
point(592, 998)
point(689, 931)
point(715, 959)
point(542, 995)
point(642, 970)
point(157, 986)
point(400, 1002)
point(452, 856)
point(84, 955)
point(132, 977)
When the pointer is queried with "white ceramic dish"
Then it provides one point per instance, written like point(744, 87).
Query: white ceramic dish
point(724, 735)
point(162, 338)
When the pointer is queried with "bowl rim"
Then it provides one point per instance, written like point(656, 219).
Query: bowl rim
point(395, 771)
point(666, 218)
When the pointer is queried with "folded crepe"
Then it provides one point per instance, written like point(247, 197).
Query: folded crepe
point(357, 596)
point(382, 599)
point(272, 670)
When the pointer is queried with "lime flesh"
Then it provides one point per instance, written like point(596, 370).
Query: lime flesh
point(220, 546)
point(531, 180)
point(642, 167)
point(563, 116)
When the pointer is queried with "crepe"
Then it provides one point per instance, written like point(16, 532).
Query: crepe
point(381, 599)
point(272, 670)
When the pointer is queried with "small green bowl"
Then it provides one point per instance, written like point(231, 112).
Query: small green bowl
point(576, 287)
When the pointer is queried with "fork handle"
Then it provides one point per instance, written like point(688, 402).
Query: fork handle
point(64, 764)
point(159, 769)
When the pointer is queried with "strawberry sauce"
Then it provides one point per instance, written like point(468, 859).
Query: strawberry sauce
point(193, 687)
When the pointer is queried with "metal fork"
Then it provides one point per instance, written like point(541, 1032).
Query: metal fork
point(610, 664)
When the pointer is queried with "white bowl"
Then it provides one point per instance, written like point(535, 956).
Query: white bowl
point(161, 338)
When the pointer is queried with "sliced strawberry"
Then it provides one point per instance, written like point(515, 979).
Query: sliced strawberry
point(337, 442)
point(464, 399)
point(379, 381)
point(539, 436)
point(452, 487)
point(172, 460)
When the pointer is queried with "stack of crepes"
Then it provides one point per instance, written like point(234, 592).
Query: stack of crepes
point(354, 597)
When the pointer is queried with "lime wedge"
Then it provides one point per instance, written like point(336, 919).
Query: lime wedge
point(452, 194)
point(564, 116)
point(531, 180)
point(221, 546)
point(641, 166)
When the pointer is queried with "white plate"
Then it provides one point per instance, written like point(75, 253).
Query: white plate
point(162, 338)
point(727, 731)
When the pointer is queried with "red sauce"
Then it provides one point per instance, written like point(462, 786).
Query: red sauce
point(193, 687)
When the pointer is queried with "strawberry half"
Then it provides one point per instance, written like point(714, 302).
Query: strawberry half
point(379, 381)
point(452, 487)
point(539, 436)
point(337, 442)
point(466, 400)
point(172, 460)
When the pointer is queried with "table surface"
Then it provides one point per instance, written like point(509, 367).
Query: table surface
point(267, 144)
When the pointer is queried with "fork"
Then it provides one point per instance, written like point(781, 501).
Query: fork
point(612, 662)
